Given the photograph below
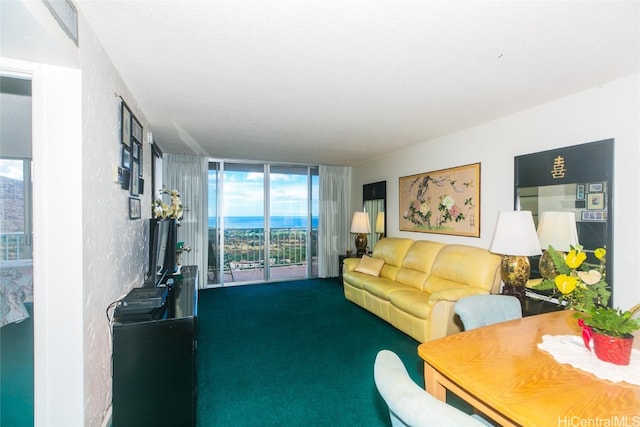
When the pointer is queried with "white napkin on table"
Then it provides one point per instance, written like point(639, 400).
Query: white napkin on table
point(570, 349)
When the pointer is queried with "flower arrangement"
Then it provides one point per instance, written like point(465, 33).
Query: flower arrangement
point(160, 209)
point(581, 285)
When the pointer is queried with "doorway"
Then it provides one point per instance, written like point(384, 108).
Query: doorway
point(16, 255)
point(262, 222)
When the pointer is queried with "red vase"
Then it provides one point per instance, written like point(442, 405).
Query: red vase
point(613, 349)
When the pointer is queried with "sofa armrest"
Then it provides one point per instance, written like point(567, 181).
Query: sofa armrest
point(350, 264)
point(454, 294)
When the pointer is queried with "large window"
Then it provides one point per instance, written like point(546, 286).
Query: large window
point(262, 222)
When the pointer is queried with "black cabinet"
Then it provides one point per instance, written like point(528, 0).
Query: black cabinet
point(154, 362)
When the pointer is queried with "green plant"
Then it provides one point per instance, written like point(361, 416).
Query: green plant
point(580, 284)
point(609, 321)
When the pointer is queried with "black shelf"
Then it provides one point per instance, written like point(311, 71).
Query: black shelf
point(155, 363)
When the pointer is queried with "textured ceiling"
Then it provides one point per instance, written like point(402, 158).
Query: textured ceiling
point(339, 82)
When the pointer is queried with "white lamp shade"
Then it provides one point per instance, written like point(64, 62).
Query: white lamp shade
point(559, 230)
point(380, 223)
point(360, 223)
point(515, 234)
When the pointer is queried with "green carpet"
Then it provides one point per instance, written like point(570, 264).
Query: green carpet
point(292, 353)
point(16, 373)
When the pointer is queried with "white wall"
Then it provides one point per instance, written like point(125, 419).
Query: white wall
point(87, 251)
point(611, 110)
point(114, 246)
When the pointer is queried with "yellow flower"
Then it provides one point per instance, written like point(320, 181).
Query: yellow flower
point(600, 253)
point(575, 259)
point(566, 284)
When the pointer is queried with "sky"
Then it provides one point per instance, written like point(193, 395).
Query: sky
point(11, 168)
point(244, 194)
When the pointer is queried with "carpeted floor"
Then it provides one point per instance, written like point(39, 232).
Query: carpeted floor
point(16, 373)
point(292, 353)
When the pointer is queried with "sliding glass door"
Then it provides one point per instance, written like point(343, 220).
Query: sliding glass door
point(262, 225)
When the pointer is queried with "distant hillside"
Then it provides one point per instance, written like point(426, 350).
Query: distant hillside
point(11, 205)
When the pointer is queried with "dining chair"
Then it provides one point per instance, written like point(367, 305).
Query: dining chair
point(409, 404)
point(482, 310)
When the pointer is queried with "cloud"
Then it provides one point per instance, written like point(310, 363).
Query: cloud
point(11, 168)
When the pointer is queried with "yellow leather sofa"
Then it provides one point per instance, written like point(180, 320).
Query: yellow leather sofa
point(419, 282)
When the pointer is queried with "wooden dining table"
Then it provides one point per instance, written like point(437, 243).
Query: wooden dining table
point(502, 373)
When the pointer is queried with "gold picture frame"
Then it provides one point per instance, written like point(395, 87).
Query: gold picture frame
point(445, 201)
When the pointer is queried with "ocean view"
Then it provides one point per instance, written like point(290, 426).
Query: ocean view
point(239, 222)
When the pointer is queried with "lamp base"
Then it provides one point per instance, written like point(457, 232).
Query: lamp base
point(546, 266)
point(515, 272)
point(361, 244)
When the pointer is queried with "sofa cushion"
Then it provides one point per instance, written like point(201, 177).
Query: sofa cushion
point(417, 263)
point(458, 265)
point(370, 266)
point(382, 288)
point(355, 279)
point(412, 301)
point(392, 250)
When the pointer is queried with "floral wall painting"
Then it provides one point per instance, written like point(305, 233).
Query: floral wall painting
point(446, 201)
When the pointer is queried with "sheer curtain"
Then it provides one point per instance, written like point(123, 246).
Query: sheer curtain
point(188, 175)
point(333, 227)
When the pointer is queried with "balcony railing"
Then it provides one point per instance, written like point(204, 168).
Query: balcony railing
point(13, 246)
point(244, 249)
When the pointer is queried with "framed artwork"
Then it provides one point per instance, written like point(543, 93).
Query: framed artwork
point(595, 201)
point(135, 150)
point(134, 178)
point(594, 216)
point(445, 201)
point(125, 125)
point(135, 210)
point(126, 178)
point(126, 157)
point(596, 187)
point(136, 129)
point(580, 192)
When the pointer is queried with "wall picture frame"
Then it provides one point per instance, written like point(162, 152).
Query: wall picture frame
point(596, 187)
point(125, 124)
point(135, 208)
point(136, 130)
point(445, 201)
point(135, 191)
point(595, 201)
point(580, 191)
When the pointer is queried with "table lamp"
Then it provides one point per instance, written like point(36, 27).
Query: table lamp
point(515, 239)
point(380, 224)
point(557, 229)
point(360, 226)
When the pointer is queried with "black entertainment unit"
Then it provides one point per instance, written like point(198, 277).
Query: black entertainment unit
point(154, 360)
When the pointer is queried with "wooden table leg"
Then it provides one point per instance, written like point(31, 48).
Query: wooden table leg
point(432, 385)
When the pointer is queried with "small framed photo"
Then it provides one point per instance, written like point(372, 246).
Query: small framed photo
point(596, 187)
point(594, 216)
point(135, 210)
point(126, 178)
point(135, 150)
point(126, 157)
point(125, 127)
point(140, 185)
point(136, 129)
point(595, 201)
point(580, 192)
point(135, 191)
